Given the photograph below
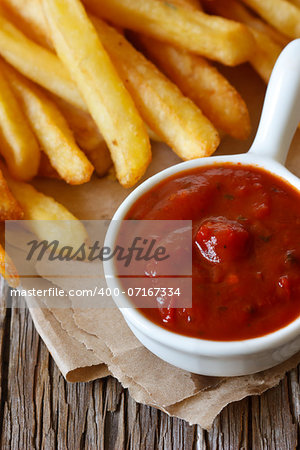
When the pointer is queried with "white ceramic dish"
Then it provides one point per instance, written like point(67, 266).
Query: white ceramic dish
point(280, 117)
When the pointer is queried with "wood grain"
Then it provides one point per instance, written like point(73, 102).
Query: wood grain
point(39, 409)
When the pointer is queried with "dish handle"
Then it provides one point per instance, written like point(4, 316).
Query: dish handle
point(281, 110)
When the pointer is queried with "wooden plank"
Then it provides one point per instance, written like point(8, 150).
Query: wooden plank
point(273, 425)
point(4, 349)
point(230, 429)
point(41, 410)
point(2, 332)
point(293, 378)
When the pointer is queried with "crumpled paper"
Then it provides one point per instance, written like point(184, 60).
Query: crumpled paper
point(92, 343)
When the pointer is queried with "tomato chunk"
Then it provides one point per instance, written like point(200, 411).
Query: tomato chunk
point(220, 240)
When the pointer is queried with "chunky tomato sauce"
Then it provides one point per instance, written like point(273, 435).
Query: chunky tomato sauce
point(246, 250)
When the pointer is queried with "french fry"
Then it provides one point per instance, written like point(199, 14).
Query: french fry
point(8, 270)
point(87, 136)
point(9, 207)
point(17, 142)
point(29, 17)
point(51, 129)
point(112, 108)
point(237, 11)
point(32, 21)
point(190, 4)
point(172, 116)
point(284, 16)
point(219, 39)
point(37, 63)
point(43, 210)
point(244, 15)
point(202, 83)
point(267, 50)
point(266, 56)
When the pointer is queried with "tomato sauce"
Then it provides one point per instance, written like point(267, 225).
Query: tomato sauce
point(246, 250)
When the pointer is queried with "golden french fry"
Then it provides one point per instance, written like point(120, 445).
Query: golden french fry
point(235, 10)
point(9, 207)
point(266, 56)
point(51, 129)
point(87, 136)
point(267, 50)
point(172, 116)
point(43, 210)
point(269, 42)
point(284, 16)
point(29, 18)
point(17, 142)
point(37, 63)
point(190, 4)
point(7, 269)
point(244, 15)
point(219, 39)
point(112, 108)
point(272, 33)
point(202, 82)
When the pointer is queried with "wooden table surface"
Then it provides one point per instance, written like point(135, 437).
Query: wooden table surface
point(39, 409)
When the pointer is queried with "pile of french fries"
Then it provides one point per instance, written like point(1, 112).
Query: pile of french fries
point(84, 86)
